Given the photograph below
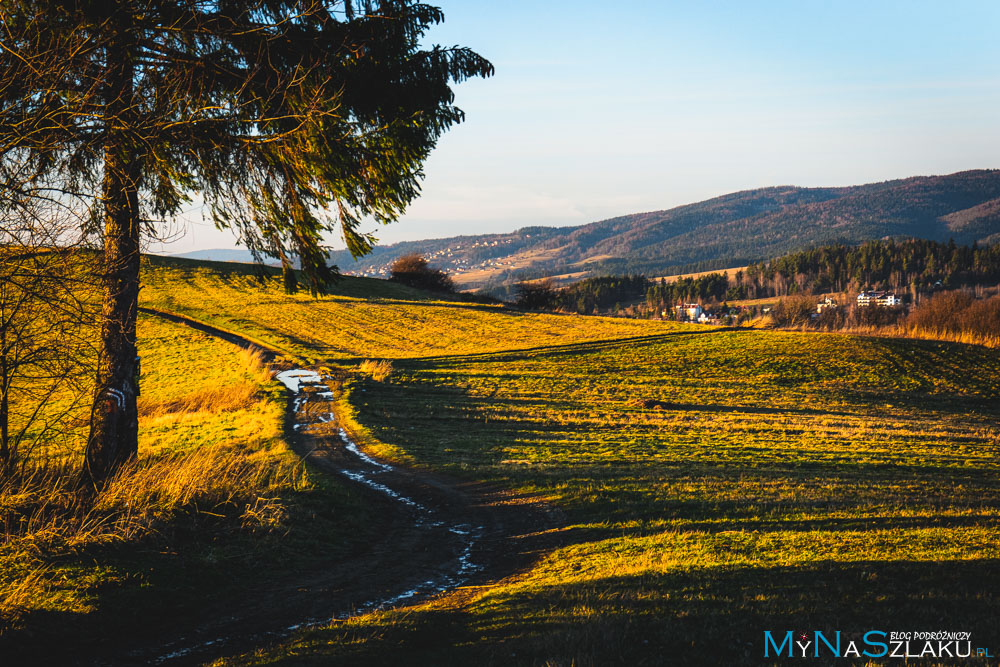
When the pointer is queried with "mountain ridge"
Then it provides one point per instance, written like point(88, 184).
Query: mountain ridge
point(729, 230)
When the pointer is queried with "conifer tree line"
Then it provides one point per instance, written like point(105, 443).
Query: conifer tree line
point(905, 266)
point(908, 267)
point(598, 293)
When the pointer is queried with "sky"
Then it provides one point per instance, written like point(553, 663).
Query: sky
point(600, 109)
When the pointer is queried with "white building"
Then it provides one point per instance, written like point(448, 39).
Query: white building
point(875, 298)
point(689, 311)
point(825, 304)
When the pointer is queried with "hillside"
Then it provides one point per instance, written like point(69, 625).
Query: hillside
point(731, 230)
point(713, 482)
point(363, 317)
point(662, 485)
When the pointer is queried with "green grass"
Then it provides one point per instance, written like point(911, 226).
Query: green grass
point(715, 483)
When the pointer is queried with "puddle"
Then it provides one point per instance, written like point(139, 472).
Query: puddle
point(424, 517)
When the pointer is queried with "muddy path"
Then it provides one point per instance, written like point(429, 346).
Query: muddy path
point(436, 534)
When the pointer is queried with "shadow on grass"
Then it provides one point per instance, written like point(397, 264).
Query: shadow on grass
point(630, 488)
point(549, 351)
point(147, 593)
point(439, 300)
point(696, 617)
point(712, 498)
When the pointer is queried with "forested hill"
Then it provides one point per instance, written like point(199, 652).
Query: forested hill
point(908, 267)
point(731, 230)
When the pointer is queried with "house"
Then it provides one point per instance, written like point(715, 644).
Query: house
point(689, 311)
point(825, 304)
point(876, 298)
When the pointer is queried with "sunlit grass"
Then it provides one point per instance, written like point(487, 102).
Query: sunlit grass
point(364, 318)
point(214, 477)
point(716, 484)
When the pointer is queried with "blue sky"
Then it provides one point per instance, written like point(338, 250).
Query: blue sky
point(599, 109)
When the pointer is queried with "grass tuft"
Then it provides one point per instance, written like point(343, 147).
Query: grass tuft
point(377, 370)
point(230, 398)
point(19, 594)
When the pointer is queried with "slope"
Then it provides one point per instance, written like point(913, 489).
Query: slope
point(716, 483)
point(725, 231)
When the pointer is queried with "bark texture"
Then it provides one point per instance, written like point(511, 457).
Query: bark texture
point(114, 424)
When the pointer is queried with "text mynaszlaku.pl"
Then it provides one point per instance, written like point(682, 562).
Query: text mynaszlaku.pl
point(871, 644)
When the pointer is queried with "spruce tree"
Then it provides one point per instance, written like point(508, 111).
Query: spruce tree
point(289, 119)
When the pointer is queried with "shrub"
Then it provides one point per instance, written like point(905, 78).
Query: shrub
point(412, 270)
point(793, 311)
point(957, 315)
point(983, 318)
point(535, 295)
point(876, 316)
point(942, 313)
point(377, 370)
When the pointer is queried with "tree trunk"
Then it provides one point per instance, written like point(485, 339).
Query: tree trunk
point(5, 453)
point(114, 421)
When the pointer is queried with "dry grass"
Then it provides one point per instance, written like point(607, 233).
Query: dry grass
point(901, 331)
point(211, 456)
point(253, 362)
point(19, 594)
point(42, 509)
point(44, 516)
point(376, 370)
point(969, 337)
point(240, 396)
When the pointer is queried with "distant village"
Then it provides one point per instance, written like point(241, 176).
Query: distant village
point(730, 314)
point(448, 259)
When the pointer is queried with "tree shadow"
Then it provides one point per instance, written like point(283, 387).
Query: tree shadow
point(696, 616)
point(549, 351)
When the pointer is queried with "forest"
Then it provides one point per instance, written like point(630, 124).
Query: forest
point(911, 267)
point(586, 297)
point(906, 266)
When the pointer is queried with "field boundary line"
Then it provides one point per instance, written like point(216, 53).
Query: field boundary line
point(230, 336)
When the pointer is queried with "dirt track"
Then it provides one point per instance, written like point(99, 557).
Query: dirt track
point(438, 534)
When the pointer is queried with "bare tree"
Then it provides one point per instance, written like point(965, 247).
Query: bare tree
point(45, 331)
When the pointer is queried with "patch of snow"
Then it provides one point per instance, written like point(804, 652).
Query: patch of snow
point(363, 479)
point(296, 377)
point(353, 449)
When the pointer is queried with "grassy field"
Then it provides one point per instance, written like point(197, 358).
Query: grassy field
point(216, 500)
point(716, 483)
point(364, 318)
